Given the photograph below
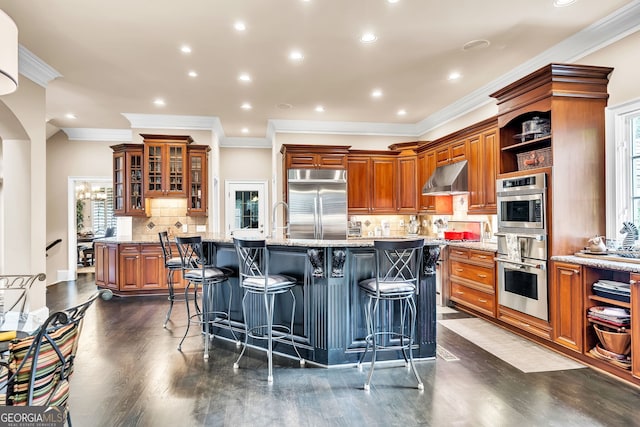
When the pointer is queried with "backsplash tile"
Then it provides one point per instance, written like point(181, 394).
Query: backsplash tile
point(166, 214)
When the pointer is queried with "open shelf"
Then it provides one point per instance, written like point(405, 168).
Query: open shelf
point(610, 301)
point(545, 141)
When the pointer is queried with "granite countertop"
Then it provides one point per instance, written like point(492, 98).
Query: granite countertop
point(221, 238)
point(604, 263)
point(489, 246)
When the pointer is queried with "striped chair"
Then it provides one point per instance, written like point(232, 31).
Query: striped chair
point(39, 366)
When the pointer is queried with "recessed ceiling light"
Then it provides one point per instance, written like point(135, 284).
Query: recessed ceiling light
point(319, 108)
point(244, 77)
point(245, 130)
point(402, 112)
point(185, 49)
point(392, 1)
point(476, 44)
point(239, 26)
point(284, 106)
point(563, 3)
point(70, 116)
point(368, 37)
point(159, 102)
point(246, 106)
point(376, 93)
point(193, 74)
point(296, 55)
point(454, 75)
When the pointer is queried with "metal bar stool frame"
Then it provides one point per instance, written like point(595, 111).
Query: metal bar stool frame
point(171, 264)
point(255, 279)
point(397, 272)
point(199, 274)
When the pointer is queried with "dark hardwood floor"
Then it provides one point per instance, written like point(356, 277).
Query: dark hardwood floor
point(128, 372)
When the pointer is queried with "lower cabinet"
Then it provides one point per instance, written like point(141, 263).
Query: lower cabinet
point(472, 279)
point(566, 306)
point(133, 268)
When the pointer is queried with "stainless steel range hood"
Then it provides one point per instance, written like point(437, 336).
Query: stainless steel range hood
point(448, 179)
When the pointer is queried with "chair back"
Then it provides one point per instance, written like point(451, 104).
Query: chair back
point(191, 252)
point(165, 243)
point(40, 365)
point(110, 232)
point(253, 258)
point(14, 293)
point(398, 261)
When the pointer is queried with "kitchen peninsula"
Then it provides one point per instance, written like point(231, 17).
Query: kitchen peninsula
point(329, 325)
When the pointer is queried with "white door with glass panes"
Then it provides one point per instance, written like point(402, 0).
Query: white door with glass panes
point(246, 205)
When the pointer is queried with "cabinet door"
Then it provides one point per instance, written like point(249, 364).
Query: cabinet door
point(130, 267)
point(443, 156)
point(197, 183)
point(458, 151)
point(476, 173)
point(383, 184)
point(635, 325)
point(300, 161)
point(407, 201)
point(119, 195)
point(566, 305)
point(482, 169)
point(331, 161)
point(106, 265)
point(134, 204)
point(165, 164)
point(358, 185)
point(153, 272)
point(490, 155)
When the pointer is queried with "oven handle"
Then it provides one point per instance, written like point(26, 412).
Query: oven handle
point(520, 263)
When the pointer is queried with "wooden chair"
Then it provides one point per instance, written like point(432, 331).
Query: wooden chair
point(39, 366)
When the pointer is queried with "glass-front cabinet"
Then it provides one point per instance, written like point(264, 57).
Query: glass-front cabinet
point(165, 165)
point(128, 190)
point(197, 180)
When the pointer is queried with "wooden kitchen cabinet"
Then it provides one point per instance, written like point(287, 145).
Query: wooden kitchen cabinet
point(440, 205)
point(566, 308)
point(153, 274)
point(130, 267)
point(635, 324)
point(197, 161)
point(472, 279)
point(314, 156)
point(106, 265)
point(165, 165)
point(128, 189)
point(407, 185)
point(482, 151)
point(372, 183)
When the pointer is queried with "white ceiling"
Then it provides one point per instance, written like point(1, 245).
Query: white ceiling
point(117, 56)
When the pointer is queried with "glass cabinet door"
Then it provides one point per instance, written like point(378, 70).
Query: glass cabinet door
point(197, 185)
point(118, 183)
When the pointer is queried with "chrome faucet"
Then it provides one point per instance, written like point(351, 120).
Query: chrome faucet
point(275, 227)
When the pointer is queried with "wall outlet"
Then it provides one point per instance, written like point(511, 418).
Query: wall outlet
point(185, 228)
point(201, 228)
point(401, 223)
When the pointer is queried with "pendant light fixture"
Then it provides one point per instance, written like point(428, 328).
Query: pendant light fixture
point(8, 54)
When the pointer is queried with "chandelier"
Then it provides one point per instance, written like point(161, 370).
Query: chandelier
point(86, 191)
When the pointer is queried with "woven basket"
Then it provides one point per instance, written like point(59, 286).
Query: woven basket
point(615, 342)
point(534, 159)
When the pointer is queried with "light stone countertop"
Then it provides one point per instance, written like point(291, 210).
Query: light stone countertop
point(603, 263)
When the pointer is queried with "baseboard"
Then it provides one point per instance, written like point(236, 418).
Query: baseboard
point(64, 276)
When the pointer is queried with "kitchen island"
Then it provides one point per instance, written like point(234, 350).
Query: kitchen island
point(329, 324)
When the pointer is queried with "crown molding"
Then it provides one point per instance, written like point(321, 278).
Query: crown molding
point(96, 134)
point(342, 128)
point(34, 68)
point(608, 30)
point(239, 142)
point(170, 121)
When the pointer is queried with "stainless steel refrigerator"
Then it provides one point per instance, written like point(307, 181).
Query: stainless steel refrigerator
point(317, 204)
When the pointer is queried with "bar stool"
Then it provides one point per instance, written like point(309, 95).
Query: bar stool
point(254, 278)
point(199, 274)
point(171, 264)
point(397, 272)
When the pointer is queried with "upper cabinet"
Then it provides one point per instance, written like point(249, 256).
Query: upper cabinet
point(553, 121)
point(482, 152)
point(197, 180)
point(314, 156)
point(165, 165)
point(371, 182)
point(128, 189)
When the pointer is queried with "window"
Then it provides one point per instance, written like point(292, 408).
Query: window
point(102, 212)
point(622, 166)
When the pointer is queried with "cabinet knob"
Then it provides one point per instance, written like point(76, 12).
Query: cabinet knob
point(482, 300)
point(632, 282)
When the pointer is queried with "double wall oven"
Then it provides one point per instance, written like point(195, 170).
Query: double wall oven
point(522, 244)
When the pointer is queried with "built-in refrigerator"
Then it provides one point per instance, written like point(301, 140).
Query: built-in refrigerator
point(317, 203)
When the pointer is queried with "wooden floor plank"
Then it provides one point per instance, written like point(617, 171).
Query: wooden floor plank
point(129, 372)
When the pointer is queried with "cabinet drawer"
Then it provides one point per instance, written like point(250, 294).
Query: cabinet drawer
point(475, 273)
point(482, 257)
point(458, 253)
point(474, 298)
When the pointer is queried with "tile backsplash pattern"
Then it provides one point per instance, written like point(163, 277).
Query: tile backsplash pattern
point(166, 214)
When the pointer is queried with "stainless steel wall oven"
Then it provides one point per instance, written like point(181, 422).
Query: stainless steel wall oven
point(522, 204)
